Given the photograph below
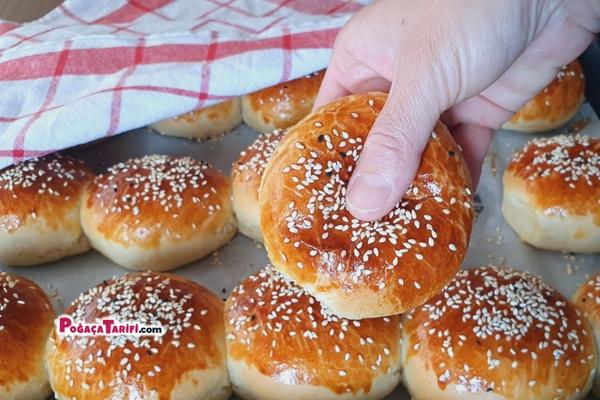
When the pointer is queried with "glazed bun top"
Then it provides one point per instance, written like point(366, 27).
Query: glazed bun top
point(213, 114)
point(283, 105)
point(47, 188)
point(251, 164)
point(497, 330)
point(277, 328)
point(142, 366)
point(26, 317)
point(587, 298)
point(555, 104)
point(363, 269)
point(561, 174)
point(143, 200)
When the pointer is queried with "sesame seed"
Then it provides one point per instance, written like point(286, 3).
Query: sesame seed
point(573, 158)
point(491, 310)
point(319, 184)
point(291, 311)
point(157, 184)
point(148, 298)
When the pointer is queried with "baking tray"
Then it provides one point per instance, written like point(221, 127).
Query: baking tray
point(493, 242)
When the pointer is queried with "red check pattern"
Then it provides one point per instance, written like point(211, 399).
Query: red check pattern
point(93, 69)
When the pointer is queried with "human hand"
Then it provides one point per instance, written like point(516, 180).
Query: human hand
point(472, 62)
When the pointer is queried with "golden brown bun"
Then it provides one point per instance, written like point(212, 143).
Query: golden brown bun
point(282, 345)
point(204, 123)
point(246, 175)
point(26, 317)
point(158, 212)
point(185, 363)
point(554, 106)
point(497, 333)
point(587, 298)
point(281, 106)
point(363, 269)
point(552, 193)
point(39, 210)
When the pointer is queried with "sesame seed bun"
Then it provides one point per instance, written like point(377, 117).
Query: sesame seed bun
point(246, 175)
point(39, 210)
point(554, 106)
point(158, 212)
point(552, 193)
point(363, 269)
point(204, 123)
point(26, 317)
point(587, 298)
point(186, 363)
point(283, 105)
point(497, 333)
point(282, 344)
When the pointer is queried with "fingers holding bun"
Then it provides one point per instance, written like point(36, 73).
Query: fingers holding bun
point(246, 176)
point(552, 191)
point(204, 123)
point(186, 361)
point(40, 201)
point(158, 212)
point(555, 105)
point(26, 318)
point(362, 269)
point(587, 298)
point(497, 333)
point(283, 345)
point(283, 105)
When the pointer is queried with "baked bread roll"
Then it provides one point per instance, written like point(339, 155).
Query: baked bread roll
point(363, 269)
point(26, 318)
point(496, 333)
point(246, 175)
point(283, 105)
point(554, 106)
point(552, 191)
point(282, 344)
point(186, 362)
point(158, 212)
point(39, 210)
point(204, 123)
point(587, 298)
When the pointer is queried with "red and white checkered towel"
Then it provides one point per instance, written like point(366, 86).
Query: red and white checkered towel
point(91, 69)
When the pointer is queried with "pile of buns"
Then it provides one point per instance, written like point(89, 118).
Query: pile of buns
point(276, 107)
point(490, 333)
point(152, 213)
point(346, 309)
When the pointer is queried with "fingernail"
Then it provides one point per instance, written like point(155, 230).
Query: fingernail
point(367, 193)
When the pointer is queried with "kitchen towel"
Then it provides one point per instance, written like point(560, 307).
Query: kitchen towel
point(93, 69)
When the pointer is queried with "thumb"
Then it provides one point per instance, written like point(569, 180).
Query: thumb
point(330, 89)
point(392, 151)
